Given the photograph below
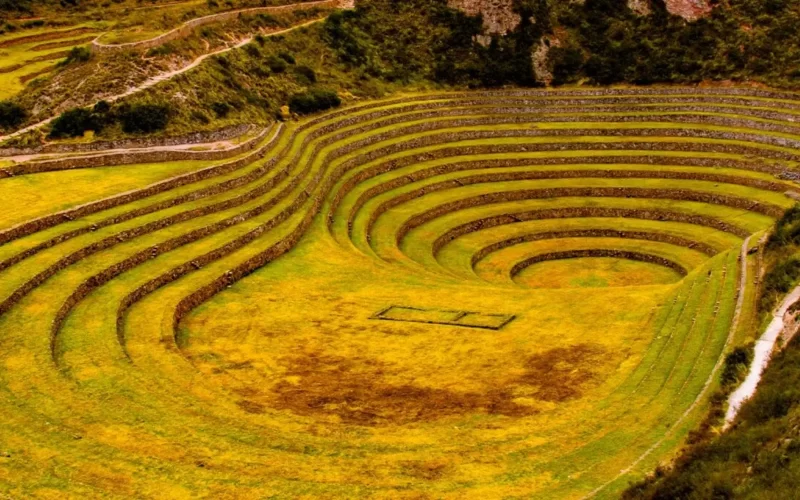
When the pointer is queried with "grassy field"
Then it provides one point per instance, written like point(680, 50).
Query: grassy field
point(443, 295)
point(32, 53)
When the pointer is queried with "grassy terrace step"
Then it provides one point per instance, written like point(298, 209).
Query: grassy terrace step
point(461, 254)
point(405, 202)
point(514, 260)
point(405, 212)
point(72, 214)
point(109, 240)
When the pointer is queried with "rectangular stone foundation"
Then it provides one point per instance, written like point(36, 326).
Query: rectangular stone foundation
point(468, 319)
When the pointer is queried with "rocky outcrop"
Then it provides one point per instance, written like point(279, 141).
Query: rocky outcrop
point(641, 7)
point(498, 15)
point(689, 9)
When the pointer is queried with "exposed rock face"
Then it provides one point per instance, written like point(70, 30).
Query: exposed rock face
point(689, 9)
point(498, 15)
point(539, 58)
point(641, 7)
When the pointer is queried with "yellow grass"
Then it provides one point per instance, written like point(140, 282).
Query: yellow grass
point(361, 363)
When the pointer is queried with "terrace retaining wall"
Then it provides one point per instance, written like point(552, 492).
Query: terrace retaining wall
point(222, 134)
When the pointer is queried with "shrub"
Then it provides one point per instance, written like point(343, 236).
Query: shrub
point(305, 75)
point(221, 109)
point(778, 281)
point(11, 114)
point(15, 5)
point(101, 107)
point(252, 50)
point(287, 57)
point(787, 229)
point(736, 364)
point(162, 50)
point(567, 63)
point(144, 118)
point(78, 55)
point(265, 20)
point(222, 61)
point(276, 64)
point(74, 123)
point(201, 117)
point(314, 100)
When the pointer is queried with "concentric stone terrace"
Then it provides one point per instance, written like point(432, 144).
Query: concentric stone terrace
point(489, 294)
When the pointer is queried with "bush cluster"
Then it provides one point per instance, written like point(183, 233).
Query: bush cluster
point(11, 114)
point(305, 75)
point(75, 122)
point(313, 100)
point(221, 109)
point(15, 5)
point(136, 118)
point(144, 118)
point(78, 55)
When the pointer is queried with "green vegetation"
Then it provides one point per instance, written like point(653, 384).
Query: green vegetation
point(244, 307)
point(313, 101)
point(78, 55)
point(144, 118)
point(759, 455)
point(74, 122)
point(425, 39)
point(248, 294)
point(11, 114)
point(137, 118)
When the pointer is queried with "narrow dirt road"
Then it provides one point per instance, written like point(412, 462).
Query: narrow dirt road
point(764, 347)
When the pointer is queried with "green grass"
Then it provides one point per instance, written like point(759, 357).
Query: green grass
point(298, 391)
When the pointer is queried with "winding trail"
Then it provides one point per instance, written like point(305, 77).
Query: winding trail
point(764, 347)
point(186, 28)
point(734, 326)
point(164, 76)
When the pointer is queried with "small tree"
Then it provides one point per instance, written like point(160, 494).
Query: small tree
point(144, 118)
point(305, 75)
point(314, 100)
point(74, 123)
point(11, 114)
point(221, 109)
point(276, 64)
point(78, 55)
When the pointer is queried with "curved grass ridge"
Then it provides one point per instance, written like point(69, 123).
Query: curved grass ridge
point(598, 252)
point(404, 183)
point(110, 159)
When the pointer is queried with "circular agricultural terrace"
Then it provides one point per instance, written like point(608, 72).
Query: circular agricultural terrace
point(479, 294)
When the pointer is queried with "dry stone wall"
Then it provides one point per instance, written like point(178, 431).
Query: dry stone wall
point(599, 252)
point(222, 134)
point(577, 212)
point(131, 158)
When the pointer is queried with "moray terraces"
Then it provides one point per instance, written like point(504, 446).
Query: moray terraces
point(479, 294)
